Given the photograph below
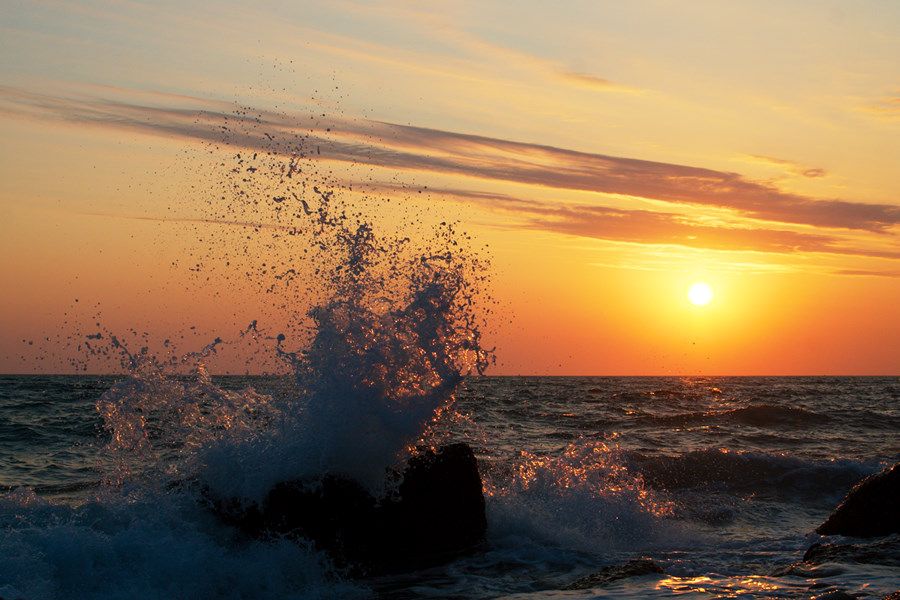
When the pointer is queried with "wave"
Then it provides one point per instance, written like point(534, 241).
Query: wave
point(750, 473)
point(150, 547)
point(583, 498)
point(51, 489)
point(760, 415)
point(662, 394)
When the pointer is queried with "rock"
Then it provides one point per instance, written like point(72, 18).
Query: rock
point(894, 596)
point(437, 512)
point(633, 568)
point(808, 571)
point(871, 508)
point(883, 552)
point(835, 595)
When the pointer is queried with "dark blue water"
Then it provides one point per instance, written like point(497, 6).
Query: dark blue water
point(720, 480)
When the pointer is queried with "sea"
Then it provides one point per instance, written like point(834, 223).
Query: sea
point(719, 480)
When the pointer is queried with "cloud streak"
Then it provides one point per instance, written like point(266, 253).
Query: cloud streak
point(406, 147)
point(790, 166)
point(552, 167)
point(593, 82)
point(651, 227)
point(887, 107)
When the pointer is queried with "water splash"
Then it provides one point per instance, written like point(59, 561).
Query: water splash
point(584, 498)
point(383, 330)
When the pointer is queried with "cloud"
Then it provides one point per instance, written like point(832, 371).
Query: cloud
point(290, 229)
point(790, 166)
point(587, 80)
point(406, 147)
point(506, 57)
point(651, 227)
point(867, 273)
point(547, 166)
point(886, 107)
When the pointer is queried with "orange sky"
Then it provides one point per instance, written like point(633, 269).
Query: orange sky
point(603, 156)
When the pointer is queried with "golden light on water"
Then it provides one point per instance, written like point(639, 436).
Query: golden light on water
point(700, 293)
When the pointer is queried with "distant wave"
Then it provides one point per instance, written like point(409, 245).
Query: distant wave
point(18, 433)
point(59, 488)
point(660, 393)
point(757, 415)
point(749, 472)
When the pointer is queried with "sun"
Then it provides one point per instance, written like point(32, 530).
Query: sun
point(699, 293)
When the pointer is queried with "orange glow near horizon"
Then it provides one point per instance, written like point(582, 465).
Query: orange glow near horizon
point(598, 189)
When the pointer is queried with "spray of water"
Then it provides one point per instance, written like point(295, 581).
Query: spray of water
point(383, 331)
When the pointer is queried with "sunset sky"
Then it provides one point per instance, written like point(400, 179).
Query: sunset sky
point(605, 154)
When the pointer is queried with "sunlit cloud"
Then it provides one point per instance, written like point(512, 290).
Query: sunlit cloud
point(886, 107)
point(593, 82)
point(867, 273)
point(484, 51)
point(565, 169)
point(656, 228)
point(789, 165)
point(411, 148)
point(190, 221)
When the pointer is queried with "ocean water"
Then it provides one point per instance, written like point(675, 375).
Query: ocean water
point(719, 480)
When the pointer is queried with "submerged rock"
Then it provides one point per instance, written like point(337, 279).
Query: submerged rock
point(633, 568)
point(871, 508)
point(883, 552)
point(808, 571)
point(824, 560)
point(835, 595)
point(438, 512)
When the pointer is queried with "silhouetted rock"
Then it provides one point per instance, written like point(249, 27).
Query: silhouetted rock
point(436, 513)
point(633, 568)
point(871, 508)
point(883, 552)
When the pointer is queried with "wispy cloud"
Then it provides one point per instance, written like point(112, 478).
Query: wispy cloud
point(405, 147)
point(867, 273)
point(290, 229)
point(482, 51)
point(789, 165)
point(552, 167)
point(886, 107)
point(586, 80)
point(651, 227)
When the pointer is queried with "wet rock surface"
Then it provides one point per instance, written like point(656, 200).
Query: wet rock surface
point(437, 513)
point(871, 508)
point(882, 552)
point(633, 568)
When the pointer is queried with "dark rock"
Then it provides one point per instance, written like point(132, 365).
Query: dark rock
point(871, 508)
point(436, 513)
point(835, 595)
point(883, 552)
point(808, 571)
point(633, 568)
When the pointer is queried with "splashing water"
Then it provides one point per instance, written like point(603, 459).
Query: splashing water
point(394, 333)
point(583, 498)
